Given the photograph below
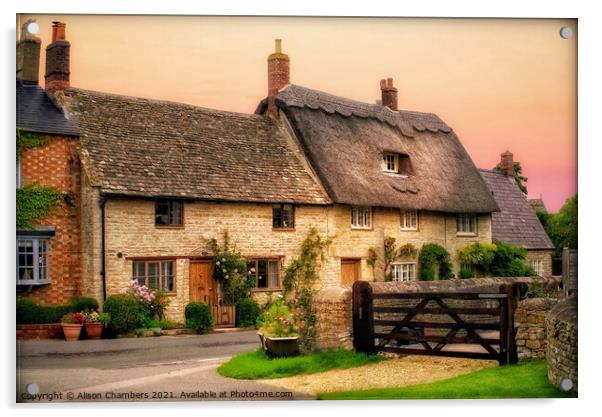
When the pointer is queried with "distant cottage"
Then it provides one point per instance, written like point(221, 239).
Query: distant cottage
point(152, 181)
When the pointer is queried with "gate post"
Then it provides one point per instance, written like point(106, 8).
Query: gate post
point(363, 318)
point(508, 351)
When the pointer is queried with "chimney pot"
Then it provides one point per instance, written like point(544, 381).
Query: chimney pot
point(278, 76)
point(57, 60)
point(388, 94)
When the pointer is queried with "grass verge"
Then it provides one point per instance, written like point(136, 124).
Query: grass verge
point(527, 380)
point(256, 365)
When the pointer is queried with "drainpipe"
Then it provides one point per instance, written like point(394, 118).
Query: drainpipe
point(103, 201)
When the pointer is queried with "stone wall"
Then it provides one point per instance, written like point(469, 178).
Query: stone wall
point(561, 331)
point(529, 325)
point(541, 255)
point(334, 325)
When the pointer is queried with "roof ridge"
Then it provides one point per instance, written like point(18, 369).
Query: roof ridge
point(163, 101)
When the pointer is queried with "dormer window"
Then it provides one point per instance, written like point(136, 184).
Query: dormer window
point(395, 163)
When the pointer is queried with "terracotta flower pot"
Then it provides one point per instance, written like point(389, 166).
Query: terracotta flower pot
point(71, 331)
point(94, 330)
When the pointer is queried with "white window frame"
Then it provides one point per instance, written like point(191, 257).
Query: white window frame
point(463, 223)
point(537, 266)
point(361, 218)
point(394, 159)
point(405, 219)
point(403, 271)
point(40, 272)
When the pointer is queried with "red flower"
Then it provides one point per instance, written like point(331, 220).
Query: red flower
point(161, 300)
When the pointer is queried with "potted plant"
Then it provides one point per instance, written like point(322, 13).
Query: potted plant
point(278, 330)
point(72, 326)
point(94, 323)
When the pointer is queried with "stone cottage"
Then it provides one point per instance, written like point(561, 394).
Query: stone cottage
point(159, 179)
point(516, 223)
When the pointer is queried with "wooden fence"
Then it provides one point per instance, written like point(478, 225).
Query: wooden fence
point(459, 324)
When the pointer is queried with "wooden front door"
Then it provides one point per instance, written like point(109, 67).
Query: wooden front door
point(202, 285)
point(350, 271)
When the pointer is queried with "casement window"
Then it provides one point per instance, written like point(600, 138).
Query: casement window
point(283, 216)
point(361, 217)
point(466, 224)
point(32, 261)
point(391, 161)
point(169, 213)
point(404, 271)
point(394, 163)
point(156, 275)
point(266, 272)
point(537, 266)
point(409, 219)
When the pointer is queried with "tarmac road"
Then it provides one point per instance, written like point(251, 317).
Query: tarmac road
point(166, 368)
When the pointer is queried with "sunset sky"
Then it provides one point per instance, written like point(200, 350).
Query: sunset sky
point(501, 84)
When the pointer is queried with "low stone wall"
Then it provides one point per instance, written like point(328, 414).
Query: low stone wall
point(529, 325)
point(561, 333)
point(333, 307)
point(39, 331)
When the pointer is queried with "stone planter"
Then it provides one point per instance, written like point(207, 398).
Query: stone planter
point(280, 347)
point(94, 330)
point(71, 331)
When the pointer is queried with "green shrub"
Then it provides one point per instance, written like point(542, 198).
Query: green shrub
point(162, 324)
point(497, 259)
point(198, 317)
point(125, 313)
point(430, 256)
point(30, 312)
point(247, 312)
point(84, 304)
point(466, 273)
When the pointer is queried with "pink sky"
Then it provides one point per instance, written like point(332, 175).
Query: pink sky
point(499, 83)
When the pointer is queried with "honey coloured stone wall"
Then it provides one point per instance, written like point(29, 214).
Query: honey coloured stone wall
point(545, 256)
point(333, 308)
point(57, 165)
point(530, 330)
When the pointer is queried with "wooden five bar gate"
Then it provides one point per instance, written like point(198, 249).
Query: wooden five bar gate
point(477, 325)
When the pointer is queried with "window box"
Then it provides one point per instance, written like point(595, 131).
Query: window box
point(466, 224)
point(361, 218)
point(156, 274)
point(266, 273)
point(169, 213)
point(32, 259)
point(409, 220)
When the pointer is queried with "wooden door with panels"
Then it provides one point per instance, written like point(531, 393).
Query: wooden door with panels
point(203, 287)
point(350, 270)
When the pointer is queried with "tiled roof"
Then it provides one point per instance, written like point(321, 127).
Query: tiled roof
point(37, 112)
point(345, 141)
point(516, 223)
point(150, 148)
point(538, 205)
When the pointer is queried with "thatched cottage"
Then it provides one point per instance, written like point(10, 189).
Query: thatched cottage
point(159, 179)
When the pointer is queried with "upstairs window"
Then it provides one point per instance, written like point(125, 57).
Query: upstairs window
point(394, 163)
point(409, 220)
point(169, 213)
point(283, 216)
point(156, 275)
point(361, 217)
point(32, 261)
point(466, 224)
point(266, 273)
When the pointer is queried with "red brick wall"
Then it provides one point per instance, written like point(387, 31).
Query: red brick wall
point(57, 165)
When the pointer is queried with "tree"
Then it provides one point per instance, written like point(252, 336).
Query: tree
point(562, 226)
point(518, 170)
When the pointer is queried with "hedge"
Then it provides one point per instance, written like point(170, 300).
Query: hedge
point(125, 311)
point(30, 312)
point(198, 317)
point(247, 312)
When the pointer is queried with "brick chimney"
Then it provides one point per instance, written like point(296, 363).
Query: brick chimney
point(389, 94)
point(57, 60)
point(278, 76)
point(28, 56)
point(507, 163)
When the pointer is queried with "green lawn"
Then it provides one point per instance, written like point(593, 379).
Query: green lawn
point(528, 380)
point(256, 365)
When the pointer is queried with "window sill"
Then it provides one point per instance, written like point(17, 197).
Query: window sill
point(283, 229)
point(266, 289)
point(362, 228)
point(169, 226)
point(408, 230)
point(33, 283)
point(465, 234)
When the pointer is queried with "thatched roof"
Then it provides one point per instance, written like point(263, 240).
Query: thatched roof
point(345, 141)
point(38, 113)
point(516, 223)
point(149, 148)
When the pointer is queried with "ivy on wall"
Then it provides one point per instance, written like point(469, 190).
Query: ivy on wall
point(35, 202)
point(431, 256)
